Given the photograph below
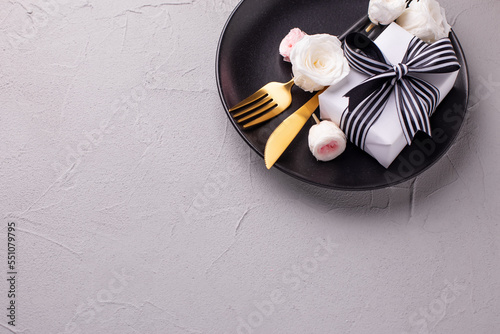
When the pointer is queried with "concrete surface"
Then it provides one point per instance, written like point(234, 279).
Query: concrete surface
point(139, 209)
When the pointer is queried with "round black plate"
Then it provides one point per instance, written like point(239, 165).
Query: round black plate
point(248, 58)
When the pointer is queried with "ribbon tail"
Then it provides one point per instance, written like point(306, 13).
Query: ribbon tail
point(414, 108)
point(357, 120)
point(428, 94)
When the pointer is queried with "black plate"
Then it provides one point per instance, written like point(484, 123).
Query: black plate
point(248, 58)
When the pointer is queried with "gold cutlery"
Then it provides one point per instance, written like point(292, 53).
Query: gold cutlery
point(269, 101)
point(284, 134)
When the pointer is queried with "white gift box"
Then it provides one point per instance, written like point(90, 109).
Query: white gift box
point(385, 139)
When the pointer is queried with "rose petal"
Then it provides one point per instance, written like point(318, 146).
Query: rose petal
point(385, 11)
point(318, 61)
point(426, 20)
point(289, 41)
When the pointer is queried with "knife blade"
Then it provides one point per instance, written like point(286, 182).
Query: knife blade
point(284, 134)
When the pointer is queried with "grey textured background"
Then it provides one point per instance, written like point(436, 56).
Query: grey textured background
point(139, 209)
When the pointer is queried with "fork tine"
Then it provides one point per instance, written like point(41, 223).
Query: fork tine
point(252, 98)
point(274, 96)
point(263, 118)
point(253, 106)
point(258, 112)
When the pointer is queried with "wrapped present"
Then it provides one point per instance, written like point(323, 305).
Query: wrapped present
point(395, 85)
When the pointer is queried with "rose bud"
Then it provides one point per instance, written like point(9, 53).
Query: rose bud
point(326, 140)
point(289, 41)
point(425, 19)
point(385, 11)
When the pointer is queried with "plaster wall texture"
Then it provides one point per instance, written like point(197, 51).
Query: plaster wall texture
point(139, 209)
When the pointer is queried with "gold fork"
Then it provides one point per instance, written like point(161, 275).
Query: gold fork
point(270, 100)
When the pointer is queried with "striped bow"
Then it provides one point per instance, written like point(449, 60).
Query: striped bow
point(416, 99)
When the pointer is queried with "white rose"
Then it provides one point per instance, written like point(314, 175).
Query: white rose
point(426, 20)
point(385, 11)
point(318, 61)
point(326, 141)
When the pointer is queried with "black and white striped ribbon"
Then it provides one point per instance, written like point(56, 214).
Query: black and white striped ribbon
point(416, 99)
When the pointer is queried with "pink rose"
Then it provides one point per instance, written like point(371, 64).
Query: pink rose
point(326, 141)
point(289, 41)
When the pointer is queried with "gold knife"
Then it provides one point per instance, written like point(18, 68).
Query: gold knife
point(284, 134)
